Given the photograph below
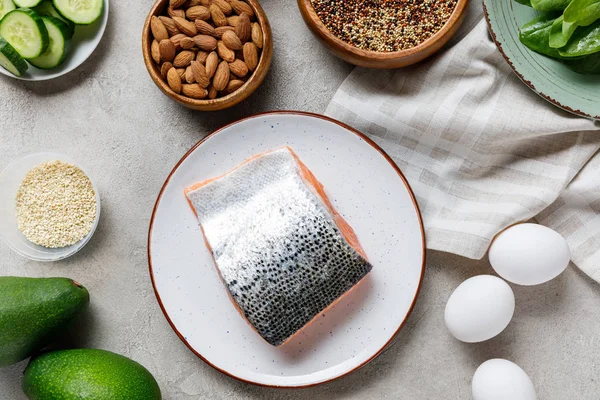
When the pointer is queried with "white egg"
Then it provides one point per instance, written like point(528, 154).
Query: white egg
point(502, 380)
point(479, 309)
point(529, 254)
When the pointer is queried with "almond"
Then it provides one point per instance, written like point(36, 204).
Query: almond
point(257, 35)
point(221, 78)
point(204, 28)
point(174, 80)
point(191, 3)
point(212, 92)
point(221, 30)
point(201, 57)
point(197, 12)
point(212, 62)
point(183, 59)
point(181, 72)
point(238, 68)
point(217, 15)
point(232, 41)
point(206, 3)
point(177, 40)
point(176, 3)
point(224, 6)
point(243, 29)
point(158, 29)
point(155, 51)
point(225, 53)
point(170, 25)
point(241, 7)
point(187, 43)
point(189, 75)
point(165, 68)
point(233, 20)
point(175, 13)
point(167, 50)
point(185, 26)
point(194, 91)
point(205, 42)
point(251, 55)
point(200, 75)
point(233, 85)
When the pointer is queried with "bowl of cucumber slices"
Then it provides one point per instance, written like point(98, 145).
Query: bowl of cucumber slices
point(45, 39)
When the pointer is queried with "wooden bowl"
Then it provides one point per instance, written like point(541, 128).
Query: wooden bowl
point(220, 103)
point(375, 59)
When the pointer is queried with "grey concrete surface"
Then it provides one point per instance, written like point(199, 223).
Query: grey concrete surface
point(110, 116)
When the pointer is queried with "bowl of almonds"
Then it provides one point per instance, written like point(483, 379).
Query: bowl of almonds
point(208, 55)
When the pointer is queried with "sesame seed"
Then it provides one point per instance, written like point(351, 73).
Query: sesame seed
point(56, 205)
point(384, 25)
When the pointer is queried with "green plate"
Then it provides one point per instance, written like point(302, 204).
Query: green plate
point(579, 94)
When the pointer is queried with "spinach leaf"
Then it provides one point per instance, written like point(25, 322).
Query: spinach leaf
point(583, 12)
point(585, 40)
point(536, 36)
point(524, 2)
point(550, 5)
point(561, 32)
point(588, 65)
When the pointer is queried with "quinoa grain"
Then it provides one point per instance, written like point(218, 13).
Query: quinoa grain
point(384, 25)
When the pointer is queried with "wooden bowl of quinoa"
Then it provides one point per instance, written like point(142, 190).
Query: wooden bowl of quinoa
point(383, 34)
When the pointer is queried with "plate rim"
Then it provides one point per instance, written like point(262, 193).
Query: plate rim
point(522, 78)
point(101, 32)
point(369, 142)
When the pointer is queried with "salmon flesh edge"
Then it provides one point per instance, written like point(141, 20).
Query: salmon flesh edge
point(276, 244)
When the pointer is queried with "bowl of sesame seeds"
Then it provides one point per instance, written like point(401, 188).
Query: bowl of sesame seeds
point(49, 207)
point(383, 34)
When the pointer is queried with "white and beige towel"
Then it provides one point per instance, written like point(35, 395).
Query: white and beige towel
point(479, 148)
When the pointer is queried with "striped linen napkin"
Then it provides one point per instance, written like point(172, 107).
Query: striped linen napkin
point(479, 148)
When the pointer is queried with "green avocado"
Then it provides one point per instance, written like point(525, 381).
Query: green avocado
point(88, 374)
point(33, 311)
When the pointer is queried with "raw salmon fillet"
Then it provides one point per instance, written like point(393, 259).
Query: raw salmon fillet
point(281, 249)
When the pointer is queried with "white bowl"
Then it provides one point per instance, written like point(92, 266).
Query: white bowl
point(84, 42)
point(10, 180)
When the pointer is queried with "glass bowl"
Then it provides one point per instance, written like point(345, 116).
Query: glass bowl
point(10, 180)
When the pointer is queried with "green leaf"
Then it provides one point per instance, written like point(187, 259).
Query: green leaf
point(585, 41)
point(536, 36)
point(561, 32)
point(550, 5)
point(583, 12)
point(524, 2)
point(588, 65)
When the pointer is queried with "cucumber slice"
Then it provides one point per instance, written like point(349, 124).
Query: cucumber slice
point(6, 6)
point(11, 60)
point(27, 3)
point(58, 33)
point(46, 9)
point(80, 12)
point(26, 32)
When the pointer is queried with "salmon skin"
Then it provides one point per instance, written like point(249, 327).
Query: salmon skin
point(281, 249)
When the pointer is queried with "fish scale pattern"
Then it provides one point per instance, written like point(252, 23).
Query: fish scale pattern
point(277, 247)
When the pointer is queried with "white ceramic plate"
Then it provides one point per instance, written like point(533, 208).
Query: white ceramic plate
point(84, 42)
point(368, 190)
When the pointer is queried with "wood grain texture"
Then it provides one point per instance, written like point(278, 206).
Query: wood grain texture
point(381, 60)
point(220, 103)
